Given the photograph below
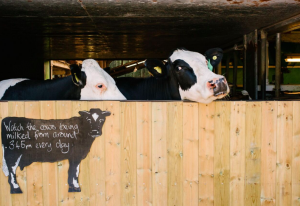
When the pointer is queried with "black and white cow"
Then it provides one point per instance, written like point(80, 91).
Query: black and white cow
point(185, 76)
point(25, 141)
point(89, 83)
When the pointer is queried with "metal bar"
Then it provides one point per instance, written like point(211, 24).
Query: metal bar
point(255, 65)
point(263, 64)
point(235, 62)
point(219, 68)
point(245, 62)
point(278, 65)
point(227, 67)
point(267, 62)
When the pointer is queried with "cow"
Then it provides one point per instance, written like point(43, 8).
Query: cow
point(185, 76)
point(25, 141)
point(87, 83)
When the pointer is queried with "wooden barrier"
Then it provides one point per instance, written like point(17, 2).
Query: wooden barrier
point(170, 153)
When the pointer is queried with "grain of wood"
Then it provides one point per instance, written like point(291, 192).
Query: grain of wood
point(284, 153)
point(128, 154)
point(35, 170)
point(221, 154)
point(65, 198)
point(253, 154)
point(97, 163)
point(296, 155)
point(50, 181)
point(190, 154)
point(175, 153)
point(237, 153)
point(144, 167)
point(268, 153)
point(83, 197)
point(17, 109)
point(206, 153)
point(112, 128)
point(159, 153)
point(5, 196)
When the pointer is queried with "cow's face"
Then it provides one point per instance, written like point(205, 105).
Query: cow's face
point(99, 85)
point(196, 81)
point(94, 118)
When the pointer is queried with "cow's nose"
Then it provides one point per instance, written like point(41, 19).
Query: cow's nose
point(218, 85)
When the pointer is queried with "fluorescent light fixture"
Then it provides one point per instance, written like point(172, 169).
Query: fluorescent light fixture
point(292, 59)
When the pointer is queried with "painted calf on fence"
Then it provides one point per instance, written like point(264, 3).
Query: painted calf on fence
point(89, 83)
point(185, 76)
point(25, 141)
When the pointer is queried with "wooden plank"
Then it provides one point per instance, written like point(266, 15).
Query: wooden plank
point(112, 154)
point(144, 167)
point(5, 196)
point(221, 153)
point(253, 156)
point(159, 153)
point(64, 111)
point(206, 153)
point(190, 154)
point(284, 153)
point(16, 109)
point(97, 163)
point(50, 181)
point(34, 171)
point(128, 154)
point(83, 197)
point(175, 153)
point(237, 153)
point(268, 153)
point(296, 155)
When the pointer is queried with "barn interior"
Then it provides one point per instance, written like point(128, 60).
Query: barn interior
point(40, 37)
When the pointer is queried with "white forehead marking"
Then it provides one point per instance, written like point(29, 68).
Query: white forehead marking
point(95, 116)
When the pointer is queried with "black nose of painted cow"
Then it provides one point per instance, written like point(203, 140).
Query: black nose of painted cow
point(219, 86)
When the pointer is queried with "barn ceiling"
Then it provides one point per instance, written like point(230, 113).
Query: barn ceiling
point(132, 29)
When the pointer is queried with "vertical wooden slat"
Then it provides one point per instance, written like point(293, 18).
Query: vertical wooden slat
point(190, 154)
point(144, 167)
point(97, 162)
point(16, 109)
point(284, 153)
point(206, 153)
point(296, 155)
point(112, 154)
point(175, 153)
point(268, 153)
point(50, 187)
point(5, 197)
point(237, 153)
point(159, 153)
point(253, 156)
point(35, 170)
point(128, 153)
point(64, 111)
point(83, 197)
point(221, 154)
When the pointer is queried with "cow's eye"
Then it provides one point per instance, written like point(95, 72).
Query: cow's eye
point(100, 86)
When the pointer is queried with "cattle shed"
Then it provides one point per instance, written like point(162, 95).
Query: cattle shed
point(226, 153)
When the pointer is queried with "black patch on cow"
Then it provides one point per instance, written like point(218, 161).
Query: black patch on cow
point(184, 73)
point(27, 140)
point(151, 64)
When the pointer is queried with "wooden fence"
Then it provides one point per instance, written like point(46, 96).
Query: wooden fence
point(171, 153)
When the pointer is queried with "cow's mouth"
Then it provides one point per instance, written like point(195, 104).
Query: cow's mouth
point(220, 88)
point(219, 93)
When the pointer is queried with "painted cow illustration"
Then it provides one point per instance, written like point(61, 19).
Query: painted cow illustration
point(26, 140)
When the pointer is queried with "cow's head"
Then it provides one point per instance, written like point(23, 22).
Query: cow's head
point(94, 118)
point(95, 83)
point(196, 82)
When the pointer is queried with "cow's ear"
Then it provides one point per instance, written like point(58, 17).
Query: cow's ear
point(156, 68)
point(105, 113)
point(78, 77)
point(214, 56)
point(84, 113)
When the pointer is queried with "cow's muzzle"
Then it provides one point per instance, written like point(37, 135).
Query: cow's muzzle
point(219, 86)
